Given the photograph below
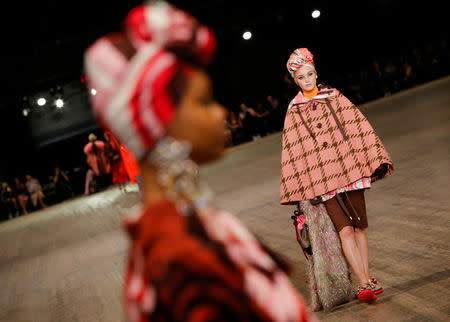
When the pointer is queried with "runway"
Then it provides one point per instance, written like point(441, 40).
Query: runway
point(66, 263)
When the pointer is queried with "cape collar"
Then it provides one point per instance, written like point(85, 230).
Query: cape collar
point(299, 99)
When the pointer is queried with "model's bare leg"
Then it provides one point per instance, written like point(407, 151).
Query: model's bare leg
point(352, 254)
point(362, 244)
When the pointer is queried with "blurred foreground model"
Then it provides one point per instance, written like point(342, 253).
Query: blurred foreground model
point(187, 261)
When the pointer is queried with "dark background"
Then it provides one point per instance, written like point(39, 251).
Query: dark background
point(43, 44)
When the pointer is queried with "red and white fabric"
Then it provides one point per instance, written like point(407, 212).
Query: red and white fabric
point(132, 97)
point(300, 57)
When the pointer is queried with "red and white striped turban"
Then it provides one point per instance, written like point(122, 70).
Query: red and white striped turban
point(300, 57)
point(138, 75)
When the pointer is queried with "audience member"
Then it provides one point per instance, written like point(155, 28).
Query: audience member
point(391, 77)
point(377, 79)
point(9, 199)
point(35, 190)
point(22, 194)
point(63, 187)
point(262, 116)
point(252, 122)
point(277, 113)
point(236, 127)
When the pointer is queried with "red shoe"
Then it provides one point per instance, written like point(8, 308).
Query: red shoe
point(376, 287)
point(365, 294)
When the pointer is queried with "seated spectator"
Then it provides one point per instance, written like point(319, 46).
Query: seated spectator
point(376, 86)
point(431, 62)
point(391, 77)
point(9, 199)
point(63, 187)
point(277, 114)
point(251, 121)
point(406, 74)
point(443, 56)
point(236, 128)
point(22, 194)
point(228, 134)
point(418, 66)
point(263, 117)
point(35, 190)
point(353, 88)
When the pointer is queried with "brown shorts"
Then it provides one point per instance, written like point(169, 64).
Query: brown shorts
point(350, 202)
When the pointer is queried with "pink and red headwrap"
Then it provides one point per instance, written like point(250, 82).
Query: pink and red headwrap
point(136, 74)
point(300, 57)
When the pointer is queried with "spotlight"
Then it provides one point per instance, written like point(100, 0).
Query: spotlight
point(25, 112)
point(315, 14)
point(93, 91)
point(59, 103)
point(247, 35)
point(41, 101)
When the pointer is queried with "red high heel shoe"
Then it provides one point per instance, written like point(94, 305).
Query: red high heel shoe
point(365, 294)
point(376, 287)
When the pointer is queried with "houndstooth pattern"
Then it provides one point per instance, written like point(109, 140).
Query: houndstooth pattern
point(312, 167)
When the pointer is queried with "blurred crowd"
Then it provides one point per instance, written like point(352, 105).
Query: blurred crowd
point(248, 122)
point(251, 123)
point(379, 78)
point(21, 197)
point(104, 167)
point(384, 77)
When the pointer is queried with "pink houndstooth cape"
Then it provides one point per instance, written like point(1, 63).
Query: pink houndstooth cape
point(327, 144)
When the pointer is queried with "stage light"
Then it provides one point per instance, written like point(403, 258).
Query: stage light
point(41, 101)
point(25, 112)
point(59, 103)
point(93, 91)
point(315, 14)
point(247, 35)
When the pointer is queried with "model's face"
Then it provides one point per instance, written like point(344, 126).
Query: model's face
point(200, 120)
point(28, 177)
point(306, 78)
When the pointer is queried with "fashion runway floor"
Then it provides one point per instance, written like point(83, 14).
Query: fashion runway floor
point(66, 263)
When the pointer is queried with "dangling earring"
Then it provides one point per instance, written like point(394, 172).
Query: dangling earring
point(178, 174)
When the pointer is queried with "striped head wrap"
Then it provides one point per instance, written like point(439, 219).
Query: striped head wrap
point(300, 57)
point(139, 74)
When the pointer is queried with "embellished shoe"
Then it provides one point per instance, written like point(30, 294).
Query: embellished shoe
point(365, 294)
point(376, 287)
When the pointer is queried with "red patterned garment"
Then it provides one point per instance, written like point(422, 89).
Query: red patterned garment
point(328, 144)
point(130, 163)
point(112, 153)
point(119, 172)
point(204, 266)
